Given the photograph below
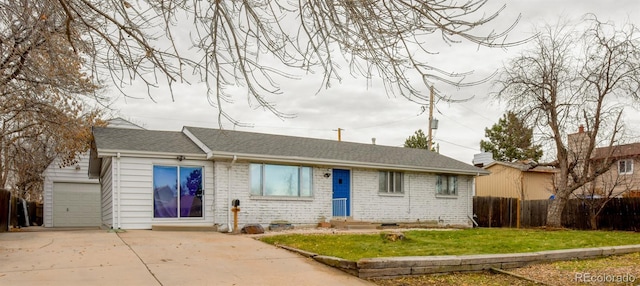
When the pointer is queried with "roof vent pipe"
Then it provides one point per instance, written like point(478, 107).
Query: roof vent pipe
point(373, 140)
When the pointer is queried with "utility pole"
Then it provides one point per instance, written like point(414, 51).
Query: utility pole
point(339, 133)
point(430, 136)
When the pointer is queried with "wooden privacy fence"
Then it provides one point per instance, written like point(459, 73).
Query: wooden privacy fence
point(5, 200)
point(12, 212)
point(618, 214)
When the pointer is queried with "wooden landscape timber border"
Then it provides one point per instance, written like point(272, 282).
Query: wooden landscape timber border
point(390, 267)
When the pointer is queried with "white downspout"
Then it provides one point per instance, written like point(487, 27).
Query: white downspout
point(409, 195)
point(470, 199)
point(229, 167)
point(118, 185)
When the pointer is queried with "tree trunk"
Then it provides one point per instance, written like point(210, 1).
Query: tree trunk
point(593, 219)
point(554, 213)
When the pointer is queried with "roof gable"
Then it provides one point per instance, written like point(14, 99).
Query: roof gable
point(120, 122)
point(140, 140)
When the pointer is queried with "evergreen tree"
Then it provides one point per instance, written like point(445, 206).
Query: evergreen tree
point(510, 140)
point(419, 141)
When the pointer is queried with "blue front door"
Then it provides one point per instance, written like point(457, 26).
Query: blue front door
point(341, 192)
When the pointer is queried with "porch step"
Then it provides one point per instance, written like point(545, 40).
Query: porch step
point(352, 224)
point(183, 228)
point(362, 226)
point(422, 224)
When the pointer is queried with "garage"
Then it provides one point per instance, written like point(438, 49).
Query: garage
point(76, 205)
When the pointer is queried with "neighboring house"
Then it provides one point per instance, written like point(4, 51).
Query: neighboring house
point(522, 180)
point(190, 178)
point(622, 179)
point(71, 199)
point(622, 176)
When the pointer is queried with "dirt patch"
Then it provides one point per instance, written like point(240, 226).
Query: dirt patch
point(613, 270)
point(454, 279)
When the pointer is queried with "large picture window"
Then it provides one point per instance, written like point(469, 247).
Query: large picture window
point(447, 185)
point(391, 182)
point(177, 191)
point(281, 180)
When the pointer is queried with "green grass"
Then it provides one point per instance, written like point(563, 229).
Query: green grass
point(457, 242)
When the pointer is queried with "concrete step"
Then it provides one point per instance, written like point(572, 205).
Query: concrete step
point(183, 228)
point(348, 221)
point(362, 226)
point(352, 224)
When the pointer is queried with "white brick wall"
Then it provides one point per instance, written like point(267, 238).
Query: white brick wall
point(264, 210)
point(419, 201)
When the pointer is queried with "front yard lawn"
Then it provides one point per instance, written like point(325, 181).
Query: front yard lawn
point(451, 242)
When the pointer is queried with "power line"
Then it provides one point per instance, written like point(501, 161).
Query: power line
point(387, 123)
point(479, 114)
point(461, 146)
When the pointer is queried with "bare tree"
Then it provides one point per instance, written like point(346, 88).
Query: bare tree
point(567, 79)
point(253, 43)
point(56, 54)
point(35, 132)
point(43, 87)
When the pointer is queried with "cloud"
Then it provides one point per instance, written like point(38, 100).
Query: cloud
point(361, 107)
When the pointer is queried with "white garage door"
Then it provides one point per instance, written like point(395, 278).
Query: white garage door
point(76, 204)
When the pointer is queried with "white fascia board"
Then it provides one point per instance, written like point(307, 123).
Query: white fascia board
point(195, 140)
point(149, 154)
point(341, 163)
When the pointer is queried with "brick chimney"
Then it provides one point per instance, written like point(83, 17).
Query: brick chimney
point(578, 144)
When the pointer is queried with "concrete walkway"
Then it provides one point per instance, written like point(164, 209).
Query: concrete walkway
point(96, 257)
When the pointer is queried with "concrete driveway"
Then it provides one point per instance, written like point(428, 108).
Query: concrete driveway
point(144, 257)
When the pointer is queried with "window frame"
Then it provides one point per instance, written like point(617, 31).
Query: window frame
point(304, 188)
point(628, 166)
point(391, 180)
point(178, 191)
point(450, 192)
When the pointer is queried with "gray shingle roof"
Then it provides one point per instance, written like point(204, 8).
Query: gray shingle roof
point(107, 138)
point(524, 167)
point(284, 147)
point(618, 151)
point(227, 141)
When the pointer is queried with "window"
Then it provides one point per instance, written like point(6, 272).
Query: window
point(281, 180)
point(625, 166)
point(391, 182)
point(447, 185)
point(177, 192)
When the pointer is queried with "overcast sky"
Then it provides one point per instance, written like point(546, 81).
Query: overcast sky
point(363, 110)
